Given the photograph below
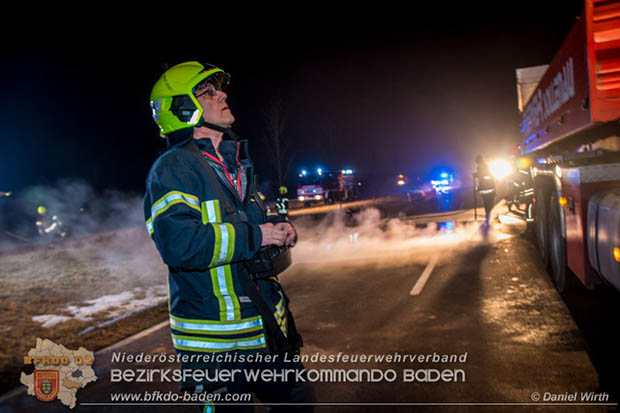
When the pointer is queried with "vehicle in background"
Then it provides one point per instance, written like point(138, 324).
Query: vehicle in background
point(327, 186)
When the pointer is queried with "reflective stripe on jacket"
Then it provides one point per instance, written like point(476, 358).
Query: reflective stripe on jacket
point(486, 183)
point(204, 246)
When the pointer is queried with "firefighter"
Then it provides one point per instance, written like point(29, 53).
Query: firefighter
point(282, 203)
point(47, 226)
point(223, 256)
point(485, 186)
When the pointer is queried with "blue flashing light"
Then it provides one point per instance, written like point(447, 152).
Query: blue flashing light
point(525, 127)
point(304, 172)
point(444, 174)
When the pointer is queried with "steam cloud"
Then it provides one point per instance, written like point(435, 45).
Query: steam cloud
point(109, 253)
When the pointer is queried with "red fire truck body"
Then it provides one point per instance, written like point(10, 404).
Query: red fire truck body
point(571, 132)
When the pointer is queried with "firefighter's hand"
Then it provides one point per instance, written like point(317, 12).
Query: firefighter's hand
point(291, 234)
point(272, 235)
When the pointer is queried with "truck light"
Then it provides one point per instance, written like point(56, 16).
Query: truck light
point(563, 201)
point(617, 254)
point(301, 198)
point(317, 197)
point(500, 169)
point(524, 163)
point(401, 182)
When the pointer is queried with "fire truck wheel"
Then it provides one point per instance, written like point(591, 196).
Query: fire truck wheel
point(557, 246)
point(542, 228)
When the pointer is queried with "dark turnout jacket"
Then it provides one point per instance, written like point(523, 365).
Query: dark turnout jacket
point(204, 239)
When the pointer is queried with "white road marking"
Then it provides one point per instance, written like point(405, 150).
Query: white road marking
point(417, 288)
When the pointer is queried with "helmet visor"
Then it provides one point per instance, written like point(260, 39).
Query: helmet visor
point(219, 80)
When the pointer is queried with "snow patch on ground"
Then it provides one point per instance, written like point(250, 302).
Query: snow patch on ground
point(50, 320)
point(114, 306)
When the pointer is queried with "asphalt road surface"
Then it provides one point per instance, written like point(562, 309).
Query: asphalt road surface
point(427, 287)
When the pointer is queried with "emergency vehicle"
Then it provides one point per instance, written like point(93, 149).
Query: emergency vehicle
point(327, 186)
point(570, 133)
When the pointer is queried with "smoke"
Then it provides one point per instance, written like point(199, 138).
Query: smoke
point(108, 258)
point(106, 252)
point(81, 210)
point(367, 238)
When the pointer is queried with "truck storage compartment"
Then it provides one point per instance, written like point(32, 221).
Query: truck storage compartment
point(603, 39)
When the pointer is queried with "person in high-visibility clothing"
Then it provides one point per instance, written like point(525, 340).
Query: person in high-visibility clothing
point(282, 202)
point(223, 252)
point(48, 226)
point(485, 186)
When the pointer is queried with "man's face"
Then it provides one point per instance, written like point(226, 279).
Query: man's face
point(215, 109)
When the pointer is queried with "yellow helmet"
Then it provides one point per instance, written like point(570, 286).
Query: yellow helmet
point(173, 101)
point(41, 210)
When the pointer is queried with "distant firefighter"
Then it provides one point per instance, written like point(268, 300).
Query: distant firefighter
point(282, 202)
point(485, 186)
point(47, 225)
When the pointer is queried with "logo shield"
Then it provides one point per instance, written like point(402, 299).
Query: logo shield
point(46, 384)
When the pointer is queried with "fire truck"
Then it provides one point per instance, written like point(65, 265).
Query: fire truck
point(570, 111)
point(327, 186)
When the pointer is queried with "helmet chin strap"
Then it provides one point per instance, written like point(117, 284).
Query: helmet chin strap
point(226, 131)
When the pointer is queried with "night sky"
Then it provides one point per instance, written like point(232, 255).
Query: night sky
point(381, 90)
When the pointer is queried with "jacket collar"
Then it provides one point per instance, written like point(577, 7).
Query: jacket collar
point(228, 150)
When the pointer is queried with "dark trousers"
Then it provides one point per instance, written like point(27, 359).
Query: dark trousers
point(489, 202)
point(291, 391)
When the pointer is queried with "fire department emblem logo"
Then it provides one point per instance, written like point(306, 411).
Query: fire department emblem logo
point(46, 384)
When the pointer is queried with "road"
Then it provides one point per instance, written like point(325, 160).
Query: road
point(429, 285)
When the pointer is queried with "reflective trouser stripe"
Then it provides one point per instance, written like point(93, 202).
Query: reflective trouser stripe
point(486, 191)
point(216, 327)
point(192, 343)
point(223, 289)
